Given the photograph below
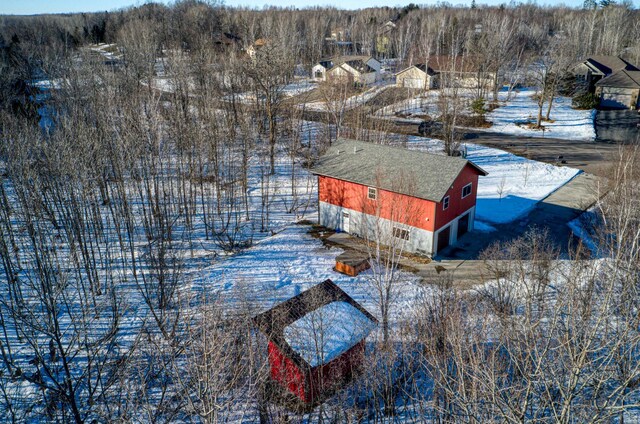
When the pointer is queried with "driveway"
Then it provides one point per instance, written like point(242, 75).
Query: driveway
point(589, 156)
point(617, 126)
point(553, 213)
point(461, 261)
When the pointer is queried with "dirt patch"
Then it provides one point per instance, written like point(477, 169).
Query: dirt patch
point(491, 106)
point(318, 231)
point(474, 121)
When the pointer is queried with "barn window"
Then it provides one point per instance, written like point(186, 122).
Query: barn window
point(445, 203)
point(319, 74)
point(373, 193)
point(466, 190)
point(401, 233)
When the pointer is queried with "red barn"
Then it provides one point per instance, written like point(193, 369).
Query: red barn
point(316, 341)
point(422, 200)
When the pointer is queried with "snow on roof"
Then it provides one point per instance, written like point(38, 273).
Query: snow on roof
point(326, 333)
point(312, 301)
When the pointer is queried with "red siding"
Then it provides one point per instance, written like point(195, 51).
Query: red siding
point(458, 205)
point(317, 382)
point(285, 372)
point(395, 207)
point(325, 378)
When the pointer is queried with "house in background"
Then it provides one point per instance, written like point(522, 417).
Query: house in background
point(338, 34)
point(620, 90)
point(257, 45)
point(418, 76)
point(462, 71)
point(360, 69)
point(595, 68)
point(423, 201)
point(316, 342)
point(383, 38)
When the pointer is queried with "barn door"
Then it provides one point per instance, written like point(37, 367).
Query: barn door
point(443, 238)
point(345, 222)
point(463, 225)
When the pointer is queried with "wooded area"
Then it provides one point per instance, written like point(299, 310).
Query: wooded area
point(114, 195)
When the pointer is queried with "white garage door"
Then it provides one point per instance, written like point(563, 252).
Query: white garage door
point(413, 82)
point(616, 100)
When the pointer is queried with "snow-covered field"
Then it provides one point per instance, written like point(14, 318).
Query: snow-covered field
point(285, 259)
point(568, 123)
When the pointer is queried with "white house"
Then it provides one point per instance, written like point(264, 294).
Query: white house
point(418, 76)
point(362, 69)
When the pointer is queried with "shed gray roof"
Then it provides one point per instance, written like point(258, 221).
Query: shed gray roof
point(621, 79)
point(411, 172)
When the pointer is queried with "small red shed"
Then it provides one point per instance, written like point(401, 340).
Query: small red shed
point(316, 341)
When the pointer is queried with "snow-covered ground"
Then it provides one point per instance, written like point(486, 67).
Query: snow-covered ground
point(583, 227)
point(299, 86)
point(568, 123)
point(280, 267)
point(106, 50)
point(510, 118)
point(514, 184)
point(424, 103)
point(351, 102)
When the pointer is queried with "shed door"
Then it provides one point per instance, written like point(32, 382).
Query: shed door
point(463, 225)
point(413, 82)
point(443, 238)
point(345, 222)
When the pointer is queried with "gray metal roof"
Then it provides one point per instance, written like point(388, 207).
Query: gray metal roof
point(411, 172)
point(621, 79)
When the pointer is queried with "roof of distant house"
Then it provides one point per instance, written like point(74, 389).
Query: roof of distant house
point(421, 66)
point(609, 64)
point(260, 42)
point(396, 169)
point(286, 324)
point(332, 62)
point(621, 79)
point(359, 65)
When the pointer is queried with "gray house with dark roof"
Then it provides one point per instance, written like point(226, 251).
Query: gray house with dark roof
point(620, 90)
point(597, 67)
point(412, 200)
